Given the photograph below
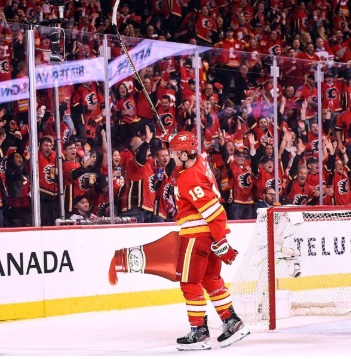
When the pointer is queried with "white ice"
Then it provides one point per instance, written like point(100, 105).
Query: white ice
point(152, 331)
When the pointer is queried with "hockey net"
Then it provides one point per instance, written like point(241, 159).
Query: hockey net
point(305, 251)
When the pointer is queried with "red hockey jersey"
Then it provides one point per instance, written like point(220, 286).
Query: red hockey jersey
point(198, 203)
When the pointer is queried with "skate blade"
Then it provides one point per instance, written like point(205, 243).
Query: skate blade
point(205, 345)
point(239, 335)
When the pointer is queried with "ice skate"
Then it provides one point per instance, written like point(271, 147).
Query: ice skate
point(233, 330)
point(197, 339)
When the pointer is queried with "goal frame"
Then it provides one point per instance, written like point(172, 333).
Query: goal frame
point(271, 253)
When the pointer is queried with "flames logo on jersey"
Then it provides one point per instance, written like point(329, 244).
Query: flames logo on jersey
point(275, 50)
point(207, 24)
point(304, 22)
point(65, 135)
point(313, 98)
point(271, 183)
point(81, 182)
point(343, 186)
point(167, 119)
point(128, 105)
point(314, 146)
point(331, 93)
point(300, 199)
point(245, 180)
point(151, 181)
point(246, 16)
point(212, 5)
point(32, 13)
point(104, 209)
point(267, 139)
point(91, 99)
point(160, 5)
point(3, 164)
point(47, 172)
point(166, 191)
point(4, 67)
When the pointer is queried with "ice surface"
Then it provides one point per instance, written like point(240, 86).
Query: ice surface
point(152, 331)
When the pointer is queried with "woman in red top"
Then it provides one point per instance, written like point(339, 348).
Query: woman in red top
point(18, 187)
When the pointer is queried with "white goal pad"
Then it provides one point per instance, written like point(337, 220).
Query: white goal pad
point(303, 250)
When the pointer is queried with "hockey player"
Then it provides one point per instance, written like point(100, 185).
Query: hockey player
point(203, 246)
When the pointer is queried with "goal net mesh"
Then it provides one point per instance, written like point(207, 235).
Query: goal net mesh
point(312, 251)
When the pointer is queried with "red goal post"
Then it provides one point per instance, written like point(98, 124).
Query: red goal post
point(301, 251)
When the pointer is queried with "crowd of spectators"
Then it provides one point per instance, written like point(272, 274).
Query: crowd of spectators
point(236, 106)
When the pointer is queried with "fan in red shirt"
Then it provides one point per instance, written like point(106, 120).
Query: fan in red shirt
point(292, 70)
point(85, 100)
point(164, 209)
point(126, 109)
point(309, 58)
point(138, 197)
point(273, 46)
point(75, 183)
point(167, 115)
point(343, 128)
point(241, 187)
point(230, 56)
point(331, 94)
point(206, 27)
point(340, 181)
point(48, 182)
point(308, 92)
point(341, 49)
point(300, 18)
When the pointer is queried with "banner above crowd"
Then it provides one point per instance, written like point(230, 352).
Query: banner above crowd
point(49, 76)
point(144, 54)
point(147, 53)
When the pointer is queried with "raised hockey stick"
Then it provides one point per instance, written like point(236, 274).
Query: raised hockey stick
point(136, 74)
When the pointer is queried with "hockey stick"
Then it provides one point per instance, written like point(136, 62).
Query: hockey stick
point(136, 74)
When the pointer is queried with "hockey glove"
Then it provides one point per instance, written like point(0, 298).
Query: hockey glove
point(223, 250)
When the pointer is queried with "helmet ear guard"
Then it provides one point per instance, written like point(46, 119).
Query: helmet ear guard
point(184, 156)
